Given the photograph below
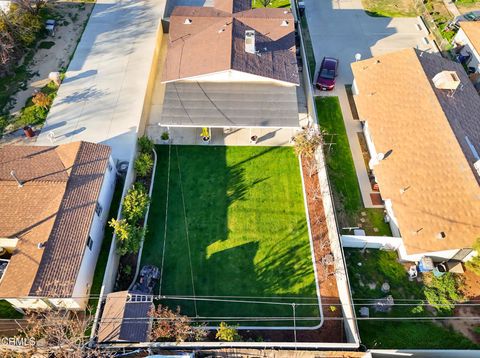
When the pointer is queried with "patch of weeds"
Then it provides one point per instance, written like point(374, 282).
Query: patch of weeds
point(46, 45)
point(32, 114)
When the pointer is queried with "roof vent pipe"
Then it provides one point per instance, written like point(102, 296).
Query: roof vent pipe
point(187, 21)
point(284, 23)
point(250, 41)
point(20, 183)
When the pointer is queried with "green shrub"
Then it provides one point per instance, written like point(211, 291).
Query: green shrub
point(227, 333)
point(46, 44)
point(3, 123)
point(128, 236)
point(144, 164)
point(32, 114)
point(442, 292)
point(165, 136)
point(474, 263)
point(145, 145)
point(135, 203)
point(27, 25)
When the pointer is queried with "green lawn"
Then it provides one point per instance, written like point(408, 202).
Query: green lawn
point(247, 233)
point(273, 3)
point(7, 311)
point(342, 174)
point(390, 8)
point(377, 267)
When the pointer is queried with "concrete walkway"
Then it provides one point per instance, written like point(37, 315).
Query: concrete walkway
point(342, 29)
point(101, 100)
point(452, 8)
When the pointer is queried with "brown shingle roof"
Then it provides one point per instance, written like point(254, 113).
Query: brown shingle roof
point(425, 129)
point(214, 41)
point(472, 30)
point(56, 206)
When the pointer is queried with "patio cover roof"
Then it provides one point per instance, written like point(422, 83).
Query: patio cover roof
point(228, 105)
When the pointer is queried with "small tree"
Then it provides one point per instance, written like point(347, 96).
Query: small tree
point(227, 333)
point(56, 333)
point(474, 263)
point(145, 145)
point(307, 142)
point(40, 99)
point(128, 236)
point(144, 164)
point(442, 292)
point(135, 203)
point(172, 326)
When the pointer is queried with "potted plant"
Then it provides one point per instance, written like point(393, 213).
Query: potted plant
point(165, 137)
point(205, 135)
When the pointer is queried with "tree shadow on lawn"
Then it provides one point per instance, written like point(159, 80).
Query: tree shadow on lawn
point(228, 261)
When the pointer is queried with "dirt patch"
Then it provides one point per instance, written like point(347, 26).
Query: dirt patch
point(332, 330)
point(55, 52)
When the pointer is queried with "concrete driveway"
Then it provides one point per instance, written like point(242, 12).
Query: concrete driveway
point(341, 29)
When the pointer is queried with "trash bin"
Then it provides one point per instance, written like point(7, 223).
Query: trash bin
point(29, 132)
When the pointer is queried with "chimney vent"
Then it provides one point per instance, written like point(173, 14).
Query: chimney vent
point(12, 173)
point(446, 80)
point(250, 41)
point(187, 21)
point(284, 23)
point(40, 245)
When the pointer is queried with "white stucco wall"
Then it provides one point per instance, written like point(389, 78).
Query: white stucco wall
point(462, 39)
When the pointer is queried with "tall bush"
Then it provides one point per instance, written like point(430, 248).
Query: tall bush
point(145, 145)
point(442, 292)
point(135, 203)
point(144, 164)
point(128, 236)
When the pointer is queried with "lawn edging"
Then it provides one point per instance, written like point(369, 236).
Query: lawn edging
point(145, 220)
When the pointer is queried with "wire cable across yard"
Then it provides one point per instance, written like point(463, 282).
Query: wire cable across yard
point(166, 220)
point(186, 230)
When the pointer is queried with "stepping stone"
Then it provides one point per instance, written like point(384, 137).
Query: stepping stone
point(363, 213)
point(375, 229)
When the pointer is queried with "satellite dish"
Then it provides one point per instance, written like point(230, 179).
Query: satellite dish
point(358, 56)
point(380, 156)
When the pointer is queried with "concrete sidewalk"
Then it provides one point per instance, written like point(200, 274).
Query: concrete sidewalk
point(102, 97)
point(342, 29)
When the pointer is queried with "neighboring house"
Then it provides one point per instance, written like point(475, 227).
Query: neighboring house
point(469, 36)
point(421, 119)
point(230, 67)
point(125, 318)
point(54, 203)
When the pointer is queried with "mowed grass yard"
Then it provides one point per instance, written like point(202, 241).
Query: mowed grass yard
point(238, 231)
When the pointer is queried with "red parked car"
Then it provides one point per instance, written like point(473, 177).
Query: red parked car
point(327, 74)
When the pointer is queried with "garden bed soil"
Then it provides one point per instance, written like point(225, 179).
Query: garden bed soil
point(124, 280)
point(332, 329)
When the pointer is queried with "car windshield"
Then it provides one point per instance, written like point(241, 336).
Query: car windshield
point(328, 74)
